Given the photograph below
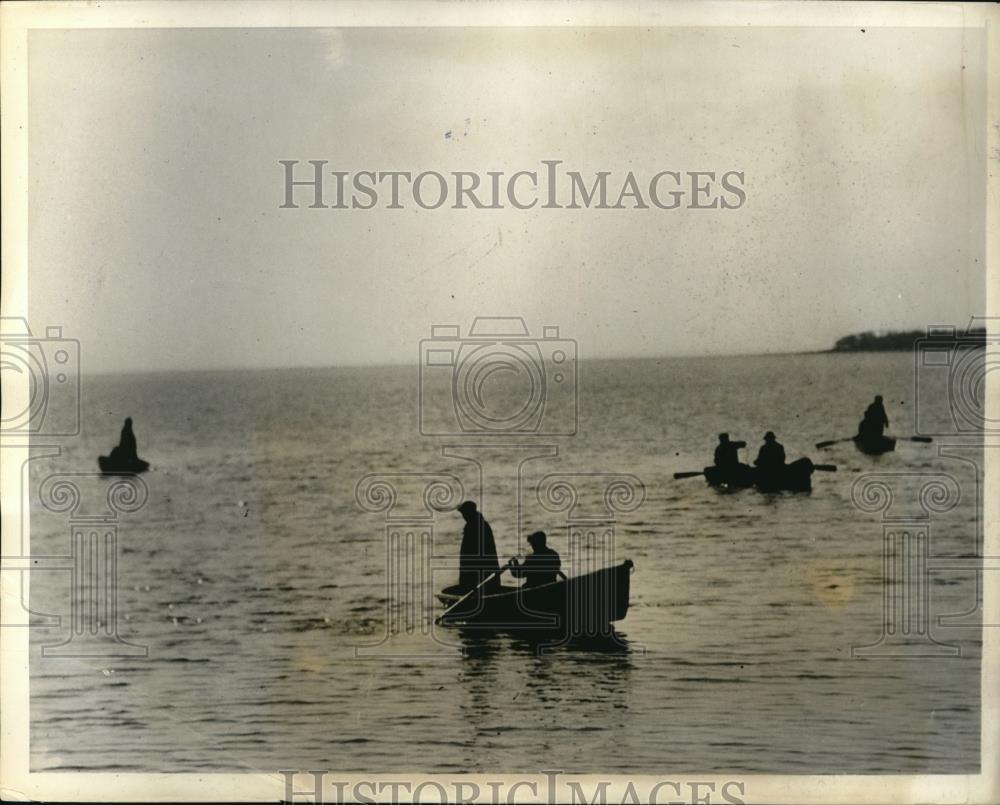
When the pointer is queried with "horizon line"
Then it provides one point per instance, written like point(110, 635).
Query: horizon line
point(415, 365)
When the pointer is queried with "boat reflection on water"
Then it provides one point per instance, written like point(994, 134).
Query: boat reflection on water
point(523, 677)
point(481, 643)
point(522, 700)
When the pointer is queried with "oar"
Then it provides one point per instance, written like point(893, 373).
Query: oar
point(679, 475)
point(921, 439)
point(834, 441)
point(489, 578)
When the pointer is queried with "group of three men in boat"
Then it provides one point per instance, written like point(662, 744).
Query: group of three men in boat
point(771, 456)
point(478, 561)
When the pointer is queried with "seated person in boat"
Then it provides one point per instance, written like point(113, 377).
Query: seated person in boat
point(478, 554)
point(875, 422)
point(541, 566)
point(726, 453)
point(771, 456)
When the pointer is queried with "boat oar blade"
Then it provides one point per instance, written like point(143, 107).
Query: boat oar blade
point(825, 467)
point(679, 475)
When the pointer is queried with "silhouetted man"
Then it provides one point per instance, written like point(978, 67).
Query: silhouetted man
point(478, 555)
point(726, 453)
point(541, 567)
point(875, 421)
point(771, 456)
point(123, 459)
point(126, 451)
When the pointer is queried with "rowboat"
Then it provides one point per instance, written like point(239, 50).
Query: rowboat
point(794, 477)
point(111, 467)
point(741, 477)
point(875, 445)
point(584, 605)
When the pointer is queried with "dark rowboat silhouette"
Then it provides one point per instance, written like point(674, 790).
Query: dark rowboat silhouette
point(583, 605)
point(123, 459)
point(110, 466)
point(875, 445)
point(794, 477)
point(742, 477)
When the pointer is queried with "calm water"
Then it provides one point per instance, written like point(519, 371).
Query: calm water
point(253, 576)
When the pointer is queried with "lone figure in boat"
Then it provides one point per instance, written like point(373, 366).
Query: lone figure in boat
point(541, 567)
point(875, 421)
point(124, 458)
point(771, 456)
point(478, 555)
point(126, 452)
point(726, 453)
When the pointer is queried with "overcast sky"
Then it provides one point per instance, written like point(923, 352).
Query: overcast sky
point(156, 236)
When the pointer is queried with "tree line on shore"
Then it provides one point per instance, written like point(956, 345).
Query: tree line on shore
point(893, 340)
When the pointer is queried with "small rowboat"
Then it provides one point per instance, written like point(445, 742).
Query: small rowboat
point(875, 445)
point(583, 606)
point(794, 477)
point(742, 477)
point(111, 467)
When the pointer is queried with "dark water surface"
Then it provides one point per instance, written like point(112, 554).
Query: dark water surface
point(253, 576)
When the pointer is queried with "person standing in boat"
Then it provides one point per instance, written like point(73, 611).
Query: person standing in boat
point(771, 456)
point(127, 451)
point(875, 422)
point(726, 453)
point(541, 567)
point(478, 554)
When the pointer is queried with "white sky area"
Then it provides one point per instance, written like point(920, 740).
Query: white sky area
point(156, 237)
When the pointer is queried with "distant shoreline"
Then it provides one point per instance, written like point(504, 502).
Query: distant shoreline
point(897, 341)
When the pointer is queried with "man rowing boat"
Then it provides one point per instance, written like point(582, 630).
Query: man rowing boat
point(875, 420)
point(727, 455)
point(541, 567)
point(771, 456)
